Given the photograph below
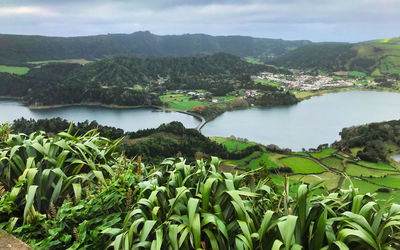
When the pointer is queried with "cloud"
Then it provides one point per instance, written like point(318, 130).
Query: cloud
point(319, 20)
point(27, 11)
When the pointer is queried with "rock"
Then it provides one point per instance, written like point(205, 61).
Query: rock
point(9, 242)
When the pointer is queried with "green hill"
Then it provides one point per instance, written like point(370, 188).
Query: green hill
point(127, 80)
point(377, 57)
point(16, 49)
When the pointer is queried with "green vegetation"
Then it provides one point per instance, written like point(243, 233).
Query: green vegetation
point(302, 165)
point(331, 181)
point(333, 162)
point(388, 181)
point(247, 159)
point(253, 60)
point(20, 48)
point(354, 151)
point(180, 101)
point(359, 171)
point(115, 80)
point(377, 140)
point(372, 57)
point(356, 74)
point(264, 161)
point(89, 196)
point(14, 70)
point(363, 186)
point(324, 153)
point(266, 82)
point(232, 144)
point(379, 165)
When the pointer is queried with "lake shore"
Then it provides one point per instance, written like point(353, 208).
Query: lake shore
point(113, 106)
point(304, 95)
point(91, 104)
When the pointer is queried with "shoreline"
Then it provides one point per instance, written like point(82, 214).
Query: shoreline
point(202, 120)
point(90, 104)
point(339, 90)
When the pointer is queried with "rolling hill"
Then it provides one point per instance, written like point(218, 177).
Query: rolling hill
point(17, 49)
point(376, 57)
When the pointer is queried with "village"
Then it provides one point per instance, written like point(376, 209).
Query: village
point(304, 82)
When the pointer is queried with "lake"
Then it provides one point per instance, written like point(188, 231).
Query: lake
point(309, 123)
point(127, 119)
point(396, 157)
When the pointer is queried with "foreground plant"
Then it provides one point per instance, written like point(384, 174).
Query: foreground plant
point(78, 193)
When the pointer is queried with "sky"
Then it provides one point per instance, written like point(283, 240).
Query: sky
point(315, 20)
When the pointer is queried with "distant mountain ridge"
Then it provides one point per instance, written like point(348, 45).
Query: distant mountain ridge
point(376, 57)
point(16, 49)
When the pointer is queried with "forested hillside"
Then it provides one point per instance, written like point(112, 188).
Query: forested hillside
point(15, 49)
point(125, 80)
point(375, 141)
point(377, 57)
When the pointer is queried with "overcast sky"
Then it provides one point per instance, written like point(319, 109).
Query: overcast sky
point(316, 20)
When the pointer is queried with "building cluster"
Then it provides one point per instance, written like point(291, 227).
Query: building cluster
point(306, 82)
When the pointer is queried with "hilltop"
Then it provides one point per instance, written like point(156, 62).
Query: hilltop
point(377, 57)
point(17, 49)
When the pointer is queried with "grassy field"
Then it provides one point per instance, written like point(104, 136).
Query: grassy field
point(180, 101)
point(331, 180)
point(231, 144)
point(302, 165)
point(267, 82)
point(355, 170)
point(363, 186)
point(267, 160)
point(253, 60)
point(333, 162)
point(368, 177)
point(392, 181)
point(378, 165)
point(324, 153)
point(14, 70)
point(356, 74)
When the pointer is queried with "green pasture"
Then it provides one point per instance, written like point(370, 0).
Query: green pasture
point(267, 82)
point(363, 186)
point(356, 74)
point(378, 165)
point(180, 101)
point(324, 153)
point(359, 171)
point(302, 154)
point(392, 181)
point(265, 160)
point(253, 60)
point(231, 144)
point(302, 165)
point(14, 69)
point(333, 162)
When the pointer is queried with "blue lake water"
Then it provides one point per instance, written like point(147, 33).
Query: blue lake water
point(127, 119)
point(309, 123)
